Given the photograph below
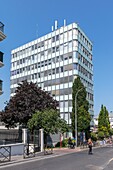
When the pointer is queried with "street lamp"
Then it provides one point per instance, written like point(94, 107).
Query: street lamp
point(76, 136)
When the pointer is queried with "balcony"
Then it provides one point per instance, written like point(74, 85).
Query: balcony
point(1, 87)
point(2, 35)
point(1, 59)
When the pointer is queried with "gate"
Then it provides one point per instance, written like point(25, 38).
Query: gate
point(33, 143)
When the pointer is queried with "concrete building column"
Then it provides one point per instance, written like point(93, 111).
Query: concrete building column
point(42, 140)
point(24, 136)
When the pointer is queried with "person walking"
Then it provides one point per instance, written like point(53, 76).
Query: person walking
point(90, 144)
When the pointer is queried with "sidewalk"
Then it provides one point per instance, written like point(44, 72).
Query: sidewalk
point(40, 155)
point(66, 150)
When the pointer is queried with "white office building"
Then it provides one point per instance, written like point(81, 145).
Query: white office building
point(54, 61)
point(2, 37)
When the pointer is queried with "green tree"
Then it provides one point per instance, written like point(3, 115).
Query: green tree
point(28, 99)
point(101, 118)
point(103, 121)
point(81, 101)
point(84, 119)
point(49, 120)
point(107, 122)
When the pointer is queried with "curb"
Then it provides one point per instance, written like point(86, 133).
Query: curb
point(40, 155)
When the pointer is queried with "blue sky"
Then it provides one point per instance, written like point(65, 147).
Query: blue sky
point(24, 19)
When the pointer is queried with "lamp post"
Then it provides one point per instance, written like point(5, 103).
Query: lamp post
point(76, 136)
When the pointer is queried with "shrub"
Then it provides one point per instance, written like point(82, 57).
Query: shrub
point(57, 144)
point(93, 136)
point(107, 135)
point(64, 143)
point(101, 135)
point(111, 132)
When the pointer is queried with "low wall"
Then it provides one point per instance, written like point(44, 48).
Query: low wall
point(16, 149)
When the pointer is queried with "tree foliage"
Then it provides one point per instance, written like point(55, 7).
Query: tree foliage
point(103, 121)
point(82, 106)
point(111, 132)
point(93, 136)
point(84, 119)
point(101, 135)
point(49, 120)
point(28, 99)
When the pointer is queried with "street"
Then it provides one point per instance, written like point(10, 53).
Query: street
point(102, 159)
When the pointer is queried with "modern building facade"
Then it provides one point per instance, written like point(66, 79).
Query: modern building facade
point(2, 37)
point(54, 61)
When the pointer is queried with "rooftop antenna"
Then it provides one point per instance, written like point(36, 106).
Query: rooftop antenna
point(56, 25)
point(52, 28)
point(64, 22)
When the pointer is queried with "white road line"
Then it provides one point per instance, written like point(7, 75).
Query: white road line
point(31, 160)
point(107, 163)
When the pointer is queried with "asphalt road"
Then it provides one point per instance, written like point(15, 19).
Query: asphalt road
point(102, 159)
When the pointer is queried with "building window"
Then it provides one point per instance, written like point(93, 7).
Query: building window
point(53, 39)
point(57, 70)
point(57, 37)
point(32, 57)
point(53, 50)
point(53, 71)
point(13, 64)
point(46, 52)
point(35, 46)
point(18, 62)
point(70, 44)
point(23, 60)
point(18, 71)
point(32, 47)
point(65, 35)
point(57, 48)
point(38, 75)
point(61, 47)
point(70, 57)
point(66, 103)
point(42, 53)
point(61, 36)
point(62, 104)
point(32, 76)
point(49, 51)
point(42, 44)
point(35, 66)
point(57, 59)
point(61, 69)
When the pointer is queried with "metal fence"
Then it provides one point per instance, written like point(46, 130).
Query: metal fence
point(10, 136)
point(5, 153)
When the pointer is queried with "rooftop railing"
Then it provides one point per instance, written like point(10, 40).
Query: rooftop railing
point(1, 27)
point(1, 56)
point(0, 85)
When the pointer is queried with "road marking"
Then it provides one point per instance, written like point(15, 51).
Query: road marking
point(93, 167)
point(34, 159)
point(107, 163)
